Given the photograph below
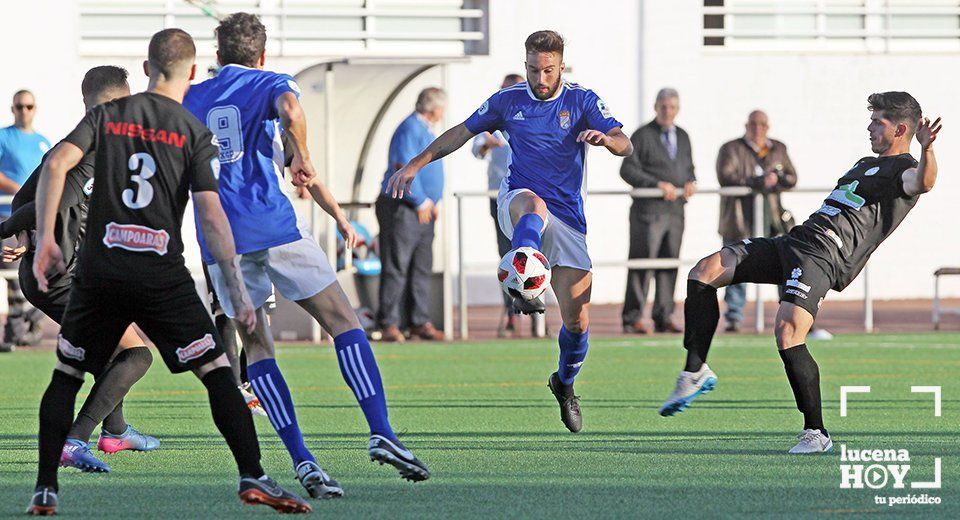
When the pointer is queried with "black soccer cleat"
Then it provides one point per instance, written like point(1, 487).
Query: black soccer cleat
point(316, 481)
point(569, 403)
point(534, 306)
point(384, 450)
point(265, 491)
point(44, 502)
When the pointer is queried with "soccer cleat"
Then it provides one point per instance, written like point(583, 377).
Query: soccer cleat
point(129, 440)
point(44, 502)
point(534, 306)
point(690, 385)
point(316, 481)
point(253, 403)
point(265, 491)
point(812, 441)
point(76, 454)
point(384, 450)
point(569, 403)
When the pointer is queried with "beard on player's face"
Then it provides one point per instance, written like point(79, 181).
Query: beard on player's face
point(544, 73)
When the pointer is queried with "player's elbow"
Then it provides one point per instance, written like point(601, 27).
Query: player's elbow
point(627, 150)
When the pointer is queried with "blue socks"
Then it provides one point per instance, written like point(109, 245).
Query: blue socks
point(527, 231)
point(359, 369)
point(270, 387)
point(573, 350)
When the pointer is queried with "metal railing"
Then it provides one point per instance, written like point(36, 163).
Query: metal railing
point(637, 263)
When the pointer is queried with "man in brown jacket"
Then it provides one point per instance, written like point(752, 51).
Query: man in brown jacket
point(761, 163)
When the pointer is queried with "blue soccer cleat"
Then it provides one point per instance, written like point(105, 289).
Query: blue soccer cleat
point(690, 385)
point(76, 454)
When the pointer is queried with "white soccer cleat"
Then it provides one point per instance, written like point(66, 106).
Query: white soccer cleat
point(253, 403)
point(690, 385)
point(812, 441)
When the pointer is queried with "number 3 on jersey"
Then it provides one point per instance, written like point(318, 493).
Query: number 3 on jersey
point(145, 166)
point(225, 124)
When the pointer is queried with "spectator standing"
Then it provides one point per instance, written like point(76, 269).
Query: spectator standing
point(662, 158)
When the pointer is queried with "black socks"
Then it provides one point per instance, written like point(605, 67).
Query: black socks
point(106, 396)
point(233, 419)
point(56, 414)
point(701, 313)
point(804, 376)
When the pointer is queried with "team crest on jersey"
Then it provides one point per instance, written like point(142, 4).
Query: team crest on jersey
point(564, 119)
point(140, 239)
point(872, 171)
point(88, 187)
point(196, 349)
point(68, 350)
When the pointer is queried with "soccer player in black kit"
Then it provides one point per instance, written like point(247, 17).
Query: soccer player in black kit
point(132, 358)
point(150, 154)
point(826, 252)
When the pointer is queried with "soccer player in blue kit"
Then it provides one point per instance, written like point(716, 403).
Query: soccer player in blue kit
point(548, 123)
point(247, 108)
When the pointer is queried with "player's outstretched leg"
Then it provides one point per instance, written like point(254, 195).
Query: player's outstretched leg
point(331, 308)
point(528, 213)
point(56, 413)
point(572, 287)
point(236, 425)
point(793, 323)
point(701, 313)
point(271, 388)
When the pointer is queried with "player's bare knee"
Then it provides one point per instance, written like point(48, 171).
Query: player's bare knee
point(527, 203)
point(707, 269)
point(206, 368)
point(787, 334)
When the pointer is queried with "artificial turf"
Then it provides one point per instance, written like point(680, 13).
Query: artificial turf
point(480, 415)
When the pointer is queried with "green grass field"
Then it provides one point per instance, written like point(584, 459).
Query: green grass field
point(480, 415)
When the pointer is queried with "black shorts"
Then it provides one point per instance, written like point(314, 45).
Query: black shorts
point(53, 303)
point(787, 262)
point(170, 314)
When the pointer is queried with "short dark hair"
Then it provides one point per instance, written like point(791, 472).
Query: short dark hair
point(22, 92)
point(544, 41)
point(241, 39)
point(170, 48)
point(897, 107)
point(103, 78)
point(513, 78)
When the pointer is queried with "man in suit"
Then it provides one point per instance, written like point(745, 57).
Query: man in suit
point(661, 159)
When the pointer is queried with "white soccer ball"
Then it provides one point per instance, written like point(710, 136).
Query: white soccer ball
point(524, 273)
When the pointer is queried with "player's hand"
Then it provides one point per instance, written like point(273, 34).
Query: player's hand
point(425, 212)
point(303, 192)
point(350, 236)
point(48, 256)
point(927, 132)
point(301, 170)
point(689, 189)
point(592, 137)
point(12, 254)
point(400, 181)
point(246, 316)
point(668, 189)
point(493, 142)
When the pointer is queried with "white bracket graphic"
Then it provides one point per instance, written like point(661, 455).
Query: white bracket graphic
point(935, 390)
point(844, 390)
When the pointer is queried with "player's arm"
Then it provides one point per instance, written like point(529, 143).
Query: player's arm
point(922, 178)
point(614, 140)
point(322, 196)
point(53, 176)
point(294, 122)
point(219, 238)
point(448, 142)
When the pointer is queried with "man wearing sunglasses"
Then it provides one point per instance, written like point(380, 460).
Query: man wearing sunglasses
point(21, 149)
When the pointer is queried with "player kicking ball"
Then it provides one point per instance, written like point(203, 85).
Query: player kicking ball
point(550, 122)
point(826, 252)
point(150, 155)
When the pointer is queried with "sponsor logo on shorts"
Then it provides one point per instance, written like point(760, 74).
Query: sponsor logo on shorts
point(68, 350)
point(88, 187)
point(136, 238)
point(196, 349)
point(564, 119)
point(795, 282)
point(796, 293)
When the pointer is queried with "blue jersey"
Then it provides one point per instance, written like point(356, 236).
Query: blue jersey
point(238, 106)
point(547, 159)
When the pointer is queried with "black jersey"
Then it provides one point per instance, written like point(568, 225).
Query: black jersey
point(860, 213)
point(71, 214)
point(149, 152)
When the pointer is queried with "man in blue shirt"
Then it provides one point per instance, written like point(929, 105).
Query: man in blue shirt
point(407, 226)
point(550, 123)
point(21, 149)
point(247, 108)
